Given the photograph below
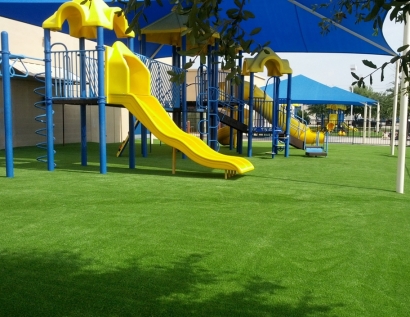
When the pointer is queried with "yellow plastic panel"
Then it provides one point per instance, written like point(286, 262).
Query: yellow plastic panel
point(274, 64)
point(83, 19)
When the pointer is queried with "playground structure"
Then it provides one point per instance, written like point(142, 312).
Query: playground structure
point(79, 78)
point(86, 77)
point(267, 110)
point(300, 135)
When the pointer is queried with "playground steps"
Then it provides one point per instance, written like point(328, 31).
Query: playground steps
point(315, 151)
point(232, 122)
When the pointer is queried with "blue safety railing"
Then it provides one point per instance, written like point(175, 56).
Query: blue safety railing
point(91, 72)
point(66, 73)
point(261, 126)
point(167, 92)
point(212, 96)
point(13, 61)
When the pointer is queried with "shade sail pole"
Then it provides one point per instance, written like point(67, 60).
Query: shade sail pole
point(404, 102)
point(378, 117)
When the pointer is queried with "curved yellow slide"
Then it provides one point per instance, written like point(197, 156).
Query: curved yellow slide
point(297, 128)
point(128, 83)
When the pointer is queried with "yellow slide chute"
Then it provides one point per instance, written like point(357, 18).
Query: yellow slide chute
point(124, 68)
point(297, 128)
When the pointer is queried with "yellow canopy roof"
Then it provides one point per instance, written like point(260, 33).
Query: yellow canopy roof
point(83, 19)
point(269, 59)
point(336, 107)
point(168, 30)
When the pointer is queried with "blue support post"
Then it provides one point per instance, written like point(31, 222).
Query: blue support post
point(101, 100)
point(184, 92)
point(215, 72)
point(288, 103)
point(239, 135)
point(174, 56)
point(49, 101)
point(340, 117)
point(131, 122)
point(144, 132)
point(209, 96)
point(8, 120)
point(176, 97)
point(250, 121)
point(231, 132)
point(83, 109)
point(275, 116)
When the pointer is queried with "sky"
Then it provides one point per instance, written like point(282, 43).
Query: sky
point(334, 69)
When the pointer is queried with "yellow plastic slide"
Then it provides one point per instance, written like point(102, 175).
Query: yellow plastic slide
point(128, 83)
point(297, 128)
point(349, 127)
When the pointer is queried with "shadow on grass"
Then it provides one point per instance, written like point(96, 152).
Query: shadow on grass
point(63, 284)
point(158, 162)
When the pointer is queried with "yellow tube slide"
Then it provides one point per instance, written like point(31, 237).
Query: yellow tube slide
point(128, 84)
point(297, 128)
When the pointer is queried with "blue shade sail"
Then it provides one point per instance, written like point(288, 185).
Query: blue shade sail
point(308, 91)
point(289, 26)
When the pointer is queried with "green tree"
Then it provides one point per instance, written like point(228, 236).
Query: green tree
point(385, 100)
point(386, 104)
point(317, 110)
point(370, 11)
point(302, 115)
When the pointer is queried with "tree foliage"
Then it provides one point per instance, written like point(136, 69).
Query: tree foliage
point(370, 11)
point(385, 100)
point(317, 110)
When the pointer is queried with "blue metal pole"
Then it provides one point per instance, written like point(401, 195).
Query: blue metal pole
point(215, 69)
point(184, 92)
point(8, 120)
point(250, 122)
point(83, 109)
point(288, 103)
point(101, 100)
point(239, 134)
point(231, 132)
point(209, 96)
point(131, 121)
point(144, 133)
point(49, 101)
point(275, 116)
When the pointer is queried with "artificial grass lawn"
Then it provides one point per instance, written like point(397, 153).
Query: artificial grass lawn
point(297, 236)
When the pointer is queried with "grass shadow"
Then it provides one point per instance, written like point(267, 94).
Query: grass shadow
point(63, 284)
point(157, 163)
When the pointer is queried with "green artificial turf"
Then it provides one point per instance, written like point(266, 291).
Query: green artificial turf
point(297, 236)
